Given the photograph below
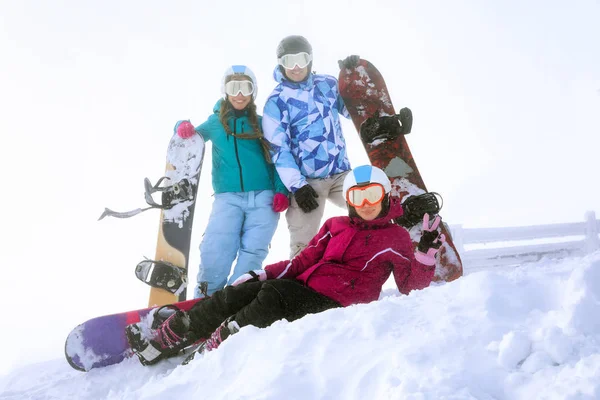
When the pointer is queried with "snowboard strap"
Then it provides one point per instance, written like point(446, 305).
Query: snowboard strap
point(127, 214)
point(203, 288)
point(416, 206)
point(380, 127)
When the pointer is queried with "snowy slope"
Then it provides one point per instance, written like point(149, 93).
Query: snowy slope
point(531, 332)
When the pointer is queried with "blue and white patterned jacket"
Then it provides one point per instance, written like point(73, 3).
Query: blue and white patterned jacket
point(302, 122)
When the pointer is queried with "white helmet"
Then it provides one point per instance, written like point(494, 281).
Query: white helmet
point(239, 70)
point(366, 174)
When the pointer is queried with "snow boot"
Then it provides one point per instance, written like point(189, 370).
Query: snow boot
point(170, 335)
point(226, 329)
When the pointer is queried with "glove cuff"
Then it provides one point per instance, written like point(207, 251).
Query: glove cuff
point(426, 259)
point(258, 274)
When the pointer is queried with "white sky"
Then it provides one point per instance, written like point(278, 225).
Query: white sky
point(506, 99)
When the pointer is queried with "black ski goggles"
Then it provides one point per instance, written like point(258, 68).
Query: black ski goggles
point(289, 61)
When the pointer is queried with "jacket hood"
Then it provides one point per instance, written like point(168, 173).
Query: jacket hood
point(281, 79)
point(217, 107)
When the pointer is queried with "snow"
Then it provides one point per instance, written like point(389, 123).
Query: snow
point(526, 332)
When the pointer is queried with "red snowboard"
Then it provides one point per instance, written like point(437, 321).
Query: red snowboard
point(365, 95)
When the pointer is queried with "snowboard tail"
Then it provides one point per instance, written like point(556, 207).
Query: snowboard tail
point(367, 99)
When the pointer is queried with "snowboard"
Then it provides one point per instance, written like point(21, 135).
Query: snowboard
point(102, 341)
point(167, 273)
point(184, 164)
point(368, 101)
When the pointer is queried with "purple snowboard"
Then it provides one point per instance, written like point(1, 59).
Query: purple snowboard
point(101, 341)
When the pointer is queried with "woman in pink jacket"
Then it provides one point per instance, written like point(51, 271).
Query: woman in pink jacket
point(346, 263)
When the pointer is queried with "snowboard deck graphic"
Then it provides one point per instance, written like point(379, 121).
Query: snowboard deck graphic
point(365, 95)
point(184, 161)
point(102, 341)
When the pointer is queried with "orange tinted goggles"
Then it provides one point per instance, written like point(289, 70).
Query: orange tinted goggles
point(371, 194)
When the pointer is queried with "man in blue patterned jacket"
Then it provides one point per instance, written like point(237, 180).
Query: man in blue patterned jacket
point(301, 120)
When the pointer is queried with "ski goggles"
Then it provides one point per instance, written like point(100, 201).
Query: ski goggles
point(233, 88)
point(371, 194)
point(289, 61)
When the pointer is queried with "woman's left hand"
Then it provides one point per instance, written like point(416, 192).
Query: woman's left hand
point(431, 241)
point(280, 202)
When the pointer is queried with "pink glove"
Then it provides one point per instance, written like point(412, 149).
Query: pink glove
point(280, 202)
point(252, 276)
point(185, 130)
point(431, 241)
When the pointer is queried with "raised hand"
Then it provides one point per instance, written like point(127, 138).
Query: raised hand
point(431, 241)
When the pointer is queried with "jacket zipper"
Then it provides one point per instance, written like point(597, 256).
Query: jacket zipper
point(237, 156)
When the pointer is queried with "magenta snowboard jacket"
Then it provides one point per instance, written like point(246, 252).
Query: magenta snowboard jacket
point(350, 259)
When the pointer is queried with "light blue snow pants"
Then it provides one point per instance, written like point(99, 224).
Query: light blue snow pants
point(241, 224)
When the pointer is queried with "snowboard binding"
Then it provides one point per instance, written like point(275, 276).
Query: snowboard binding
point(416, 206)
point(385, 127)
point(146, 346)
point(171, 195)
point(162, 274)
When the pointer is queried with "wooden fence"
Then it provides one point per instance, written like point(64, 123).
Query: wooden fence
point(488, 247)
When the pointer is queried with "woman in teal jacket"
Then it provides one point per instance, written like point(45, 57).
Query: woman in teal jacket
point(248, 192)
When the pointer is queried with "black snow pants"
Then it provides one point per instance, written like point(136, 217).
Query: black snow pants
point(257, 303)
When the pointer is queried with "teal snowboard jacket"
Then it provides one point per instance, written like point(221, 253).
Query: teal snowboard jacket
point(238, 165)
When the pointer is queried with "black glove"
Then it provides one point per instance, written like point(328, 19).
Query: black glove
point(406, 119)
point(431, 241)
point(306, 198)
point(349, 62)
